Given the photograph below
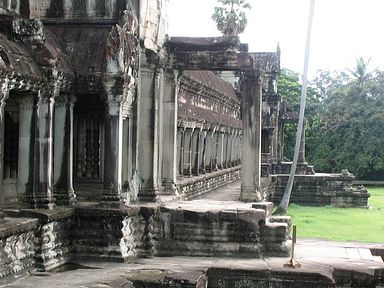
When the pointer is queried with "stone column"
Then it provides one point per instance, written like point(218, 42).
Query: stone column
point(275, 147)
point(238, 147)
point(126, 154)
point(63, 153)
point(188, 152)
point(202, 147)
point(208, 151)
point(213, 150)
point(232, 153)
point(169, 159)
point(251, 160)
point(195, 151)
point(112, 151)
point(4, 94)
point(225, 146)
point(181, 150)
point(220, 152)
point(44, 148)
point(148, 103)
point(229, 150)
point(215, 136)
point(26, 149)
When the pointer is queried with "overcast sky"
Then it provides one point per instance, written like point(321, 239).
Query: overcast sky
point(342, 29)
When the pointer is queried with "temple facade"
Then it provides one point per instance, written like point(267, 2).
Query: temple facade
point(105, 120)
point(93, 107)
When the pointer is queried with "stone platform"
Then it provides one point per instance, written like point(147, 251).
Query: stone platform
point(220, 228)
point(324, 264)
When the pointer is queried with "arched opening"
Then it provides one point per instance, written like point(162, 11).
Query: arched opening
point(89, 147)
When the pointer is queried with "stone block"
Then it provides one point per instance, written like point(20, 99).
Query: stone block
point(266, 206)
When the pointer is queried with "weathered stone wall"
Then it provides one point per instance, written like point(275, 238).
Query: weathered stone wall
point(112, 233)
point(218, 231)
point(54, 244)
point(52, 235)
point(196, 186)
point(320, 190)
point(17, 247)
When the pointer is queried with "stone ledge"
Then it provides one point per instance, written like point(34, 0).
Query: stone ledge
point(196, 186)
point(17, 225)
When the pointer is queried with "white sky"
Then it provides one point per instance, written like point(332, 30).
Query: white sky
point(343, 30)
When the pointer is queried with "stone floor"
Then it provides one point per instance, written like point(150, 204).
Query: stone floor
point(327, 260)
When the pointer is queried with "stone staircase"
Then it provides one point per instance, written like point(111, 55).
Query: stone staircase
point(215, 228)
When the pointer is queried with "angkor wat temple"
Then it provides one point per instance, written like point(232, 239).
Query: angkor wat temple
point(104, 118)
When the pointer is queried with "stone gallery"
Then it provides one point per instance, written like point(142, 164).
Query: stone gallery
point(106, 123)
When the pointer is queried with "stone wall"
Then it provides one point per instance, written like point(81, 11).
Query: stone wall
point(17, 247)
point(213, 230)
point(52, 244)
point(199, 185)
point(320, 190)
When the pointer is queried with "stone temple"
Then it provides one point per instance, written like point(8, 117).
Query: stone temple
point(108, 127)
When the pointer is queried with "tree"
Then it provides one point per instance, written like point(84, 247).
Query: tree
point(230, 17)
point(289, 89)
point(351, 130)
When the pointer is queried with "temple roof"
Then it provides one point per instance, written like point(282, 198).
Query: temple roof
point(210, 79)
point(206, 82)
point(16, 58)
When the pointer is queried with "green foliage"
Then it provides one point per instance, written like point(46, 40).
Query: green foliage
point(344, 120)
point(290, 90)
point(230, 16)
point(352, 133)
point(342, 224)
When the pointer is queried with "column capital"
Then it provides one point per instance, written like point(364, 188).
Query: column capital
point(113, 106)
point(26, 102)
point(63, 100)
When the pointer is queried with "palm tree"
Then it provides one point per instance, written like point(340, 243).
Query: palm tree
point(230, 17)
point(360, 72)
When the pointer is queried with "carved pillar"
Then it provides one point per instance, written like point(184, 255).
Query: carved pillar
point(128, 145)
point(208, 151)
point(169, 159)
point(275, 146)
point(232, 154)
point(215, 136)
point(220, 150)
point(112, 151)
point(4, 94)
point(238, 148)
point(26, 149)
point(180, 150)
point(198, 152)
point(44, 148)
point(148, 103)
point(225, 146)
point(251, 160)
point(195, 151)
point(127, 153)
point(229, 150)
point(63, 153)
point(188, 152)
point(203, 140)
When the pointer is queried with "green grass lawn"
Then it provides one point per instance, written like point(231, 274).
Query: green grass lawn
point(342, 224)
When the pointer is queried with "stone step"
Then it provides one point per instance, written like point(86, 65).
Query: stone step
point(195, 248)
